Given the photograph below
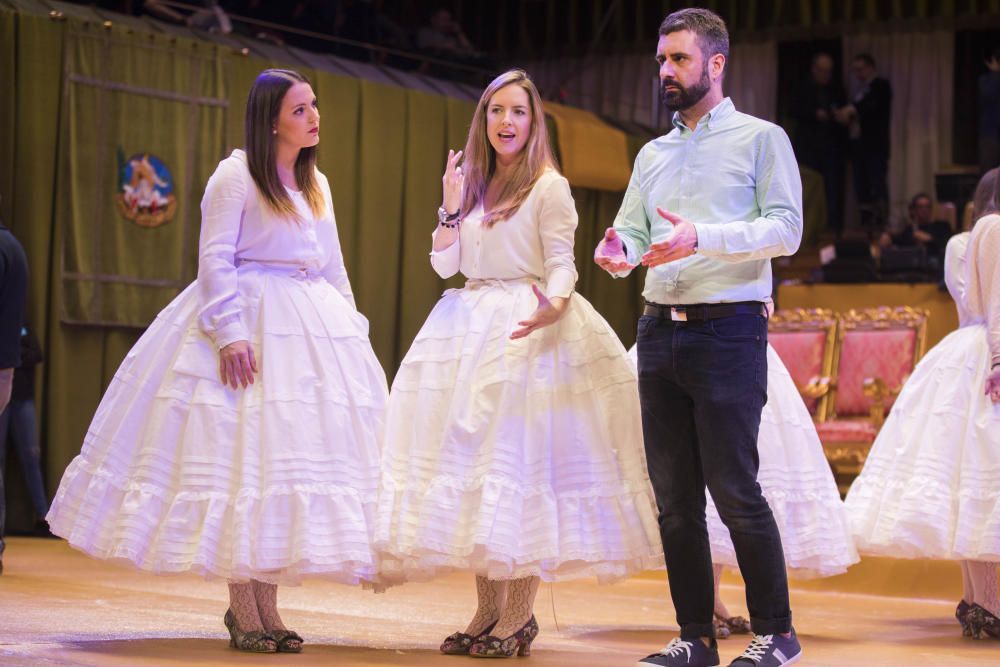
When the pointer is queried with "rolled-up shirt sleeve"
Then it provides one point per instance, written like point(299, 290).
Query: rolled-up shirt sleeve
point(221, 219)
point(446, 262)
point(557, 221)
point(778, 230)
point(631, 223)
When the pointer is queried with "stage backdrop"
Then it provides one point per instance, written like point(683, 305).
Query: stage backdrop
point(107, 137)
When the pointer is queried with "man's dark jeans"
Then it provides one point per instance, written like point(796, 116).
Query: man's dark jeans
point(703, 385)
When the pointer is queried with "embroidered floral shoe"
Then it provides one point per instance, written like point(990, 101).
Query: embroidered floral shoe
point(962, 614)
point(683, 653)
point(459, 643)
point(495, 647)
point(734, 625)
point(982, 623)
point(770, 651)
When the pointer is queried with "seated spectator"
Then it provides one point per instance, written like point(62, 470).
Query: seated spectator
point(850, 262)
point(443, 36)
point(210, 18)
point(920, 230)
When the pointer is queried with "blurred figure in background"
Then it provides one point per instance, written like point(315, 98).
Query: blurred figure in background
point(820, 139)
point(19, 427)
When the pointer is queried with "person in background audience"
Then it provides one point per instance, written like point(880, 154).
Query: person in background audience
point(20, 422)
point(921, 230)
point(989, 113)
point(931, 485)
point(443, 35)
point(868, 116)
point(13, 297)
point(820, 140)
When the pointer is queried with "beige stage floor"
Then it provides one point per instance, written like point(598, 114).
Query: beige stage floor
point(58, 607)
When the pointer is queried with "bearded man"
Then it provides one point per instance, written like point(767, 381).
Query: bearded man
point(708, 205)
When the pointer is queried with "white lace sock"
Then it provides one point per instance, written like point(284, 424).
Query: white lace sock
point(491, 596)
point(720, 606)
point(984, 582)
point(968, 593)
point(243, 604)
point(519, 606)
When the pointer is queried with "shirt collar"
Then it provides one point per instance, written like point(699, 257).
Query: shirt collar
point(719, 112)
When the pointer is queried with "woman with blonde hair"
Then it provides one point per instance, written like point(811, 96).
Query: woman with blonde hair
point(513, 441)
point(239, 438)
point(930, 487)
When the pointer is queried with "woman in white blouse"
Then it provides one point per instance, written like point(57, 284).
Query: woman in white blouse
point(239, 438)
point(931, 485)
point(513, 441)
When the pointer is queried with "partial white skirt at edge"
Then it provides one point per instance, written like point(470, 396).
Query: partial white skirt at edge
point(931, 485)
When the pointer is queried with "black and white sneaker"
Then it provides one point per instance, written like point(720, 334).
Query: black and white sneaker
point(683, 653)
point(770, 651)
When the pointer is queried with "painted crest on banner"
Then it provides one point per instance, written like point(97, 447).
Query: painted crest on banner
point(145, 190)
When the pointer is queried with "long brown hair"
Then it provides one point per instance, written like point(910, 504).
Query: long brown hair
point(263, 107)
point(986, 199)
point(480, 161)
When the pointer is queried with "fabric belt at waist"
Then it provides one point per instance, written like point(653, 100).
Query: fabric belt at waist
point(704, 311)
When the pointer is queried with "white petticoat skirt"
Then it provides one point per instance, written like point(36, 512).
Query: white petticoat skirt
point(513, 458)
point(273, 482)
point(931, 485)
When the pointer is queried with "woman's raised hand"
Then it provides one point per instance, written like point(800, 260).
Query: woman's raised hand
point(452, 182)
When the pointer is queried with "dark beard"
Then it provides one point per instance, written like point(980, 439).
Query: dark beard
point(685, 98)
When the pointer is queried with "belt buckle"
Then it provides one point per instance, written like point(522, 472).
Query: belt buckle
point(678, 314)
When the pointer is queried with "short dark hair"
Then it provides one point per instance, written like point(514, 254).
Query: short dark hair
point(917, 197)
point(866, 58)
point(713, 37)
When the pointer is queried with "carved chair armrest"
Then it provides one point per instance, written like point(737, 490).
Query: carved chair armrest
point(817, 388)
point(879, 392)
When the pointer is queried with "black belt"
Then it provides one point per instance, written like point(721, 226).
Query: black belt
point(704, 311)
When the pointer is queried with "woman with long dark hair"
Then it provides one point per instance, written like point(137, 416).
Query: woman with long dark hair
point(931, 485)
point(513, 442)
point(239, 438)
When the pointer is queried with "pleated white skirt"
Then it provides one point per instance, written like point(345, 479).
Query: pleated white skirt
point(273, 482)
point(510, 458)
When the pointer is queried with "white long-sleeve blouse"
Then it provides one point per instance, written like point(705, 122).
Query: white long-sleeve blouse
point(535, 242)
point(983, 282)
point(238, 226)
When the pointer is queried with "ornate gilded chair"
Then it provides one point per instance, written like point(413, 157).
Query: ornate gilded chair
point(875, 353)
point(804, 339)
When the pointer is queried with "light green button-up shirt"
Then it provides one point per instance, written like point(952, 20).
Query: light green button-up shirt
point(736, 179)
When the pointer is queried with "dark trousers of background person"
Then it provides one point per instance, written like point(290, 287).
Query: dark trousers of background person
point(20, 422)
point(702, 386)
point(871, 186)
point(832, 171)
